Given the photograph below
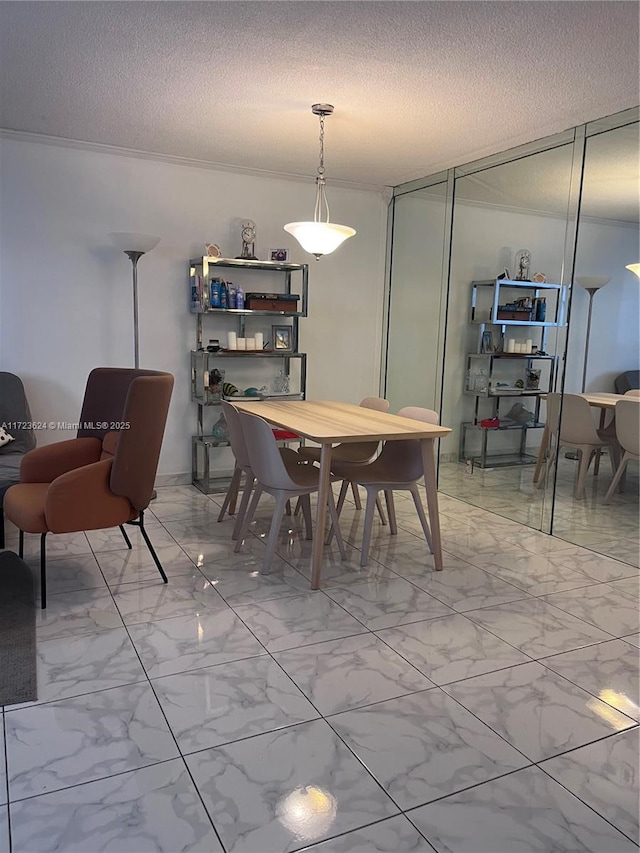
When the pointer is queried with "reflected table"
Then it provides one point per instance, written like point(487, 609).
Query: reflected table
point(328, 423)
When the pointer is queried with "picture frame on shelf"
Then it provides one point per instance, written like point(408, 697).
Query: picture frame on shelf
point(282, 338)
point(487, 344)
point(280, 256)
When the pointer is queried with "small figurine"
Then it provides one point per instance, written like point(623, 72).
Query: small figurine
point(523, 264)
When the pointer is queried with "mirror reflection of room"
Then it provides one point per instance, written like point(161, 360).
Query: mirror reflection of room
point(603, 351)
point(517, 286)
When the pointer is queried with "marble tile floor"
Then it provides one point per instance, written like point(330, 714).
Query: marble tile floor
point(509, 492)
point(489, 708)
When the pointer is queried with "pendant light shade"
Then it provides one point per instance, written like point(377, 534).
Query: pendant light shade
point(635, 268)
point(320, 237)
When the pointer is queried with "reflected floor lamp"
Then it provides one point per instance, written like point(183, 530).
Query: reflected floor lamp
point(134, 246)
point(592, 284)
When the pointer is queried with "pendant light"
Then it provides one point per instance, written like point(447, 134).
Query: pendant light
point(634, 268)
point(320, 237)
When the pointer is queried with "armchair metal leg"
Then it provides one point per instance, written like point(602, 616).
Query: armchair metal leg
point(21, 543)
point(43, 571)
point(140, 524)
point(126, 538)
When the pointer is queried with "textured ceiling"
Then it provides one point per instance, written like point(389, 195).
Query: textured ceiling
point(417, 86)
point(541, 182)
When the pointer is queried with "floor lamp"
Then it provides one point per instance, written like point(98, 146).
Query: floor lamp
point(592, 284)
point(134, 246)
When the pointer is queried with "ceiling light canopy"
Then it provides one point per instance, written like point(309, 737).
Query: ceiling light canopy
point(320, 237)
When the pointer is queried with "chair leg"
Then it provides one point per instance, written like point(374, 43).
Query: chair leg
point(126, 538)
point(421, 515)
point(391, 511)
point(272, 541)
point(586, 454)
point(383, 519)
point(1, 528)
point(21, 543)
point(372, 499)
point(344, 488)
point(335, 526)
point(232, 492)
point(287, 508)
point(616, 478)
point(356, 495)
point(140, 524)
point(43, 571)
point(244, 503)
point(305, 501)
point(246, 521)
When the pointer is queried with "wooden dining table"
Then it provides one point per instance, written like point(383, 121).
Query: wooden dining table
point(327, 422)
point(602, 400)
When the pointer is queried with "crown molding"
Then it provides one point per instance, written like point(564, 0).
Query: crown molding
point(174, 159)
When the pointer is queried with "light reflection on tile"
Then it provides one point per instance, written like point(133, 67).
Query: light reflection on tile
point(193, 641)
point(284, 790)
point(538, 712)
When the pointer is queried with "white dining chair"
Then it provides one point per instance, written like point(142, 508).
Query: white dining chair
point(356, 453)
point(281, 481)
point(576, 431)
point(243, 466)
point(399, 467)
point(627, 418)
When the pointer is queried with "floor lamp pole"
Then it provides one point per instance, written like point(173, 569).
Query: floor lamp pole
point(134, 257)
point(592, 292)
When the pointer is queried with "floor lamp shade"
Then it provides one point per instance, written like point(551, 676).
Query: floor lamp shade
point(134, 246)
point(592, 284)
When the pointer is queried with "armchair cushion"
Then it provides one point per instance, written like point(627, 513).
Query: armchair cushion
point(44, 464)
point(82, 499)
point(24, 505)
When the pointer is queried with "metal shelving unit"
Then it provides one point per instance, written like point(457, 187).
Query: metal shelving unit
point(487, 315)
point(203, 363)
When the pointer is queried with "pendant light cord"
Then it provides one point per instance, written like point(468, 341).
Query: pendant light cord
point(321, 196)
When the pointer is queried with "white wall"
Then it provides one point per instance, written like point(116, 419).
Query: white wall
point(66, 292)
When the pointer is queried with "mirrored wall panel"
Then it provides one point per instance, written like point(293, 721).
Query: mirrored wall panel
point(415, 328)
point(603, 356)
point(505, 329)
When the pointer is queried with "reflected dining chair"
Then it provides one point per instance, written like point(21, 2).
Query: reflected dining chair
point(281, 481)
point(357, 453)
point(243, 466)
point(399, 467)
point(577, 431)
point(627, 418)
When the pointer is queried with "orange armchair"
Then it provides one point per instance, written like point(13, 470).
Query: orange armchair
point(105, 476)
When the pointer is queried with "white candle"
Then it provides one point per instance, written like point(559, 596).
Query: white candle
point(251, 343)
point(259, 340)
point(529, 344)
point(241, 343)
point(511, 345)
point(232, 340)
